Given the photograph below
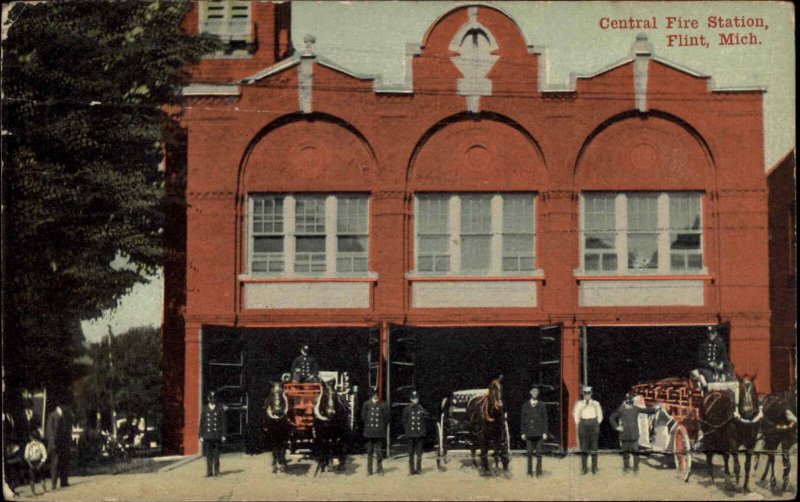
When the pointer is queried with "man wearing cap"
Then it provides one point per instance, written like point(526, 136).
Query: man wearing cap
point(58, 434)
point(712, 360)
point(414, 416)
point(305, 367)
point(587, 415)
point(375, 416)
point(213, 425)
point(534, 429)
point(625, 420)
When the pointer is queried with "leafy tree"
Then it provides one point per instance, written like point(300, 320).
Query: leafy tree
point(125, 371)
point(85, 84)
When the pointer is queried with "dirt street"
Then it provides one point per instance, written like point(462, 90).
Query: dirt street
point(246, 477)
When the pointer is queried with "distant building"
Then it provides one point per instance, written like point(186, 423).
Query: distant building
point(781, 183)
point(469, 222)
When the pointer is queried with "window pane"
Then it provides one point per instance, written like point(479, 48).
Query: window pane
point(684, 211)
point(609, 262)
point(432, 244)
point(599, 212)
point(268, 245)
point(642, 212)
point(677, 261)
point(591, 262)
point(432, 214)
point(476, 214)
point(268, 215)
point(685, 241)
point(518, 213)
point(442, 264)
point(642, 251)
point(310, 245)
point(599, 241)
point(425, 263)
point(351, 214)
point(310, 215)
point(352, 244)
point(695, 261)
point(475, 251)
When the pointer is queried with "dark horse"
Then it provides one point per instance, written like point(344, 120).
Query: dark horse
point(277, 427)
point(331, 419)
point(779, 428)
point(727, 427)
point(487, 423)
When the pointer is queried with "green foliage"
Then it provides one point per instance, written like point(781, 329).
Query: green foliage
point(128, 374)
point(84, 89)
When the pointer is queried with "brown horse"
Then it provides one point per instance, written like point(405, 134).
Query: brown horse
point(276, 426)
point(779, 428)
point(727, 427)
point(487, 423)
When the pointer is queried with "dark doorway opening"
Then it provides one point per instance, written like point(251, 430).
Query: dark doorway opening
point(619, 357)
point(439, 360)
point(240, 363)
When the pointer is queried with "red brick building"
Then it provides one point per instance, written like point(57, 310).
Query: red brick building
point(469, 222)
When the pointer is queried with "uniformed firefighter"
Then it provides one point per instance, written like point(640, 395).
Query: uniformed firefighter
point(305, 367)
point(625, 420)
point(534, 427)
point(213, 425)
point(712, 360)
point(588, 415)
point(414, 417)
point(375, 416)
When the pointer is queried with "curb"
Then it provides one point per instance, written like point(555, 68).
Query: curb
point(179, 463)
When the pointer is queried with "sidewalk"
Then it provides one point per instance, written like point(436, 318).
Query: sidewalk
point(246, 477)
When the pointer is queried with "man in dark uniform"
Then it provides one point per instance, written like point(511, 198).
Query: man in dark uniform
point(375, 416)
point(533, 425)
point(712, 360)
point(58, 433)
point(213, 424)
point(625, 420)
point(588, 415)
point(414, 416)
point(304, 367)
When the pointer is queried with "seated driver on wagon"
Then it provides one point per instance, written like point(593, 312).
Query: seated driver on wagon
point(712, 361)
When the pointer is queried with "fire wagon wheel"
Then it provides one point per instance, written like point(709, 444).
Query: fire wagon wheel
point(441, 451)
point(682, 452)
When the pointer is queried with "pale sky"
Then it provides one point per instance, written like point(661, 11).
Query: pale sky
point(371, 37)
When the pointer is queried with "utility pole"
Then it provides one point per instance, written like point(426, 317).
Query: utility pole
point(111, 384)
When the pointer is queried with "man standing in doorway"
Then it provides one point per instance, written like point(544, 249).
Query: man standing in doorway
point(534, 429)
point(414, 416)
point(213, 425)
point(58, 433)
point(587, 415)
point(626, 421)
point(375, 416)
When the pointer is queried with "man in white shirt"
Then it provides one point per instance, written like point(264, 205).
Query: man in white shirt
point(587, 415)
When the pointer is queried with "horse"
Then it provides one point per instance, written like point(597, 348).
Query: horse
point(728, 426)
point(779, 428)
point(486, 419)
point(331, 429)
point(277, 427)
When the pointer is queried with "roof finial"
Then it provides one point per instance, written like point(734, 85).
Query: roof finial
point(641, 46)
point(309, 41)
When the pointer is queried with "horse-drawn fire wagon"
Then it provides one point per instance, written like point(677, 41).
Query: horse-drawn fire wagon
point(673, 430)
point(302, 397)
point(453, 430)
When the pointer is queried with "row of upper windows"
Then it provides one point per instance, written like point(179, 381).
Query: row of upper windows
point(471, 234)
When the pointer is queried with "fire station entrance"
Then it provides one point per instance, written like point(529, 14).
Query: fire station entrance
point(618, 357)
point(239, 364)
point(439, 360)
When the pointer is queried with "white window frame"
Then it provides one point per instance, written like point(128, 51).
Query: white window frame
point(663, 231)
point(290, 235)
point(454, 237)
point(233, 12)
